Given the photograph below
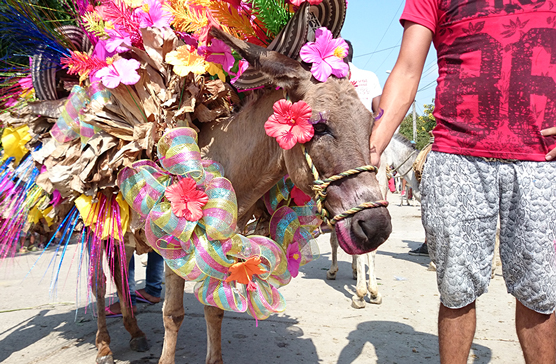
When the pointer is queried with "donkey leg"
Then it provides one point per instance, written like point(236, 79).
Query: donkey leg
point(331, 273)
point(214, 317)
point(102, 342)
point(358, 301)
point(138, 340)
point(173, 314)
point(372, 285)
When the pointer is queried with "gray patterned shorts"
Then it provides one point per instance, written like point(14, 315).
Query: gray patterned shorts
point(463, 197)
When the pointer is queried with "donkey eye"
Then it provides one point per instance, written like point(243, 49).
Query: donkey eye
point(321, 129)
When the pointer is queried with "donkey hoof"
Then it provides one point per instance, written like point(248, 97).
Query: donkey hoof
point(375, 299)
point(357, 302)
point(139, 344)
point(107, 359)
point(331, 276)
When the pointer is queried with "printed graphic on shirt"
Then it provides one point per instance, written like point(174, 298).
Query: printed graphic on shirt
point(497, 77)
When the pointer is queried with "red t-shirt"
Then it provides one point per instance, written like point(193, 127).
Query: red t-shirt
point(497, 75)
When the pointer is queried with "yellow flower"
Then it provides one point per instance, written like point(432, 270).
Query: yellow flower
point(14, 140)
point(215, 69)
point(185, 59)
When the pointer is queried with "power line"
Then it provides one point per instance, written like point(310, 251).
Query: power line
point(385, 32)
point(386, 58)
point(426, 86)
point(380, 50)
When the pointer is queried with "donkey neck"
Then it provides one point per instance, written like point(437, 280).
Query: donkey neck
point(252, 161)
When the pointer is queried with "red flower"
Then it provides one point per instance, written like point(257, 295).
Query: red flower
point(290, 123)
point(187, 201)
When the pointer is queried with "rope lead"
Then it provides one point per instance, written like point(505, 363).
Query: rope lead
point(320, 186)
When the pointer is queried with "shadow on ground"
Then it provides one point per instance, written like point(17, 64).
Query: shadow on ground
point(399, 343)
point(275, 340)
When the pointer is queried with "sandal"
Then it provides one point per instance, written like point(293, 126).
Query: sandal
point(109, 314)
point(141, 298)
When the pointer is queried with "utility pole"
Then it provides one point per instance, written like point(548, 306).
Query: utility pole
point(414, 123)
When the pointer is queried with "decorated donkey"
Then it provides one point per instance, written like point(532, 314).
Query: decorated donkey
point(327, 155)
point(400, 154)
point(340, 144)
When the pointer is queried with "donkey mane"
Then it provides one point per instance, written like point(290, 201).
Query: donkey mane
point(402, 139)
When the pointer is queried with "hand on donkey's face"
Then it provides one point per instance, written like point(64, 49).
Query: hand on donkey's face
point(550, 132)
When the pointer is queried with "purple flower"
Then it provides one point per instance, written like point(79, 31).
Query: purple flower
point(218, 52)
point(113, 44)
point(326, 54)
point(152, 14)
point(294, 258)
point(121, 71)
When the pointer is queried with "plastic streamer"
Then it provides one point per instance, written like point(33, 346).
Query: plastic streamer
point(18, 195)
point(205, 251)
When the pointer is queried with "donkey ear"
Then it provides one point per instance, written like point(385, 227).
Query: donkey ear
point(282, 70)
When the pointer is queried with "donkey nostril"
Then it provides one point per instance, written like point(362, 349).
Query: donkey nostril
point(372, 232)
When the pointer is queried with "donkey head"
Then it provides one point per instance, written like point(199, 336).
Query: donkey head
point(341, 143)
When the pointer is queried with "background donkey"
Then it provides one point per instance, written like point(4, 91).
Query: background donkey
point(400, 154)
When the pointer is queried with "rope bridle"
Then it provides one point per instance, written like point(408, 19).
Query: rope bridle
point(402, 163)
point(320, 186)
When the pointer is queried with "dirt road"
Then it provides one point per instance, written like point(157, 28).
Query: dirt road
point(318, 326)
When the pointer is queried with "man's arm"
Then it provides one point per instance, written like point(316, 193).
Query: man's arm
point(401, 86)
point(376, 104)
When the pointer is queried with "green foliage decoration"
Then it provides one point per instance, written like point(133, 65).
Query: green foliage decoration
point(274, 14)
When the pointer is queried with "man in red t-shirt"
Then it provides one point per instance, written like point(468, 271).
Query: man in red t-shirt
point(492, 158)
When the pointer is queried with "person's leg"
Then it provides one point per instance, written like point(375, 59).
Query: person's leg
point(154, 277)
point(459, 213)
point(456, 328)
point(527, 252)
point(131, 280)
point(537, 335)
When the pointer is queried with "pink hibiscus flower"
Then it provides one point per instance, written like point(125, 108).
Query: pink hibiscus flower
point(121, 71)
point(290, 123)
point(299, 2)
point(218, 52)
point(153, 14)
point(294, 258)
point(114, 43)
point(186, 200)
point(326, 54)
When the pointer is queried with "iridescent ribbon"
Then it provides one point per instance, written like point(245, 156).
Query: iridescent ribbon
point(203, 250)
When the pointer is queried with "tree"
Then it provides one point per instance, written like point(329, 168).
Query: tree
point(425, 123)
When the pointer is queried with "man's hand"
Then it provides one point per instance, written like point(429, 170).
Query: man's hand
point(547, 132)
point(375, 157)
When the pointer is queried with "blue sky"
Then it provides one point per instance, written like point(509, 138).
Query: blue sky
point(374, 29)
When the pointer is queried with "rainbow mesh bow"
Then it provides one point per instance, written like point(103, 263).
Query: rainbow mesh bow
point(205, 250)
point(292, 227)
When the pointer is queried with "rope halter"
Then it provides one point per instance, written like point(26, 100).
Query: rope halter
point(320, 186)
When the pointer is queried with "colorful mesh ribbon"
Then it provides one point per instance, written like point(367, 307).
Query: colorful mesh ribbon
point(292, 225)
point(203, 250)
point(69, 125)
